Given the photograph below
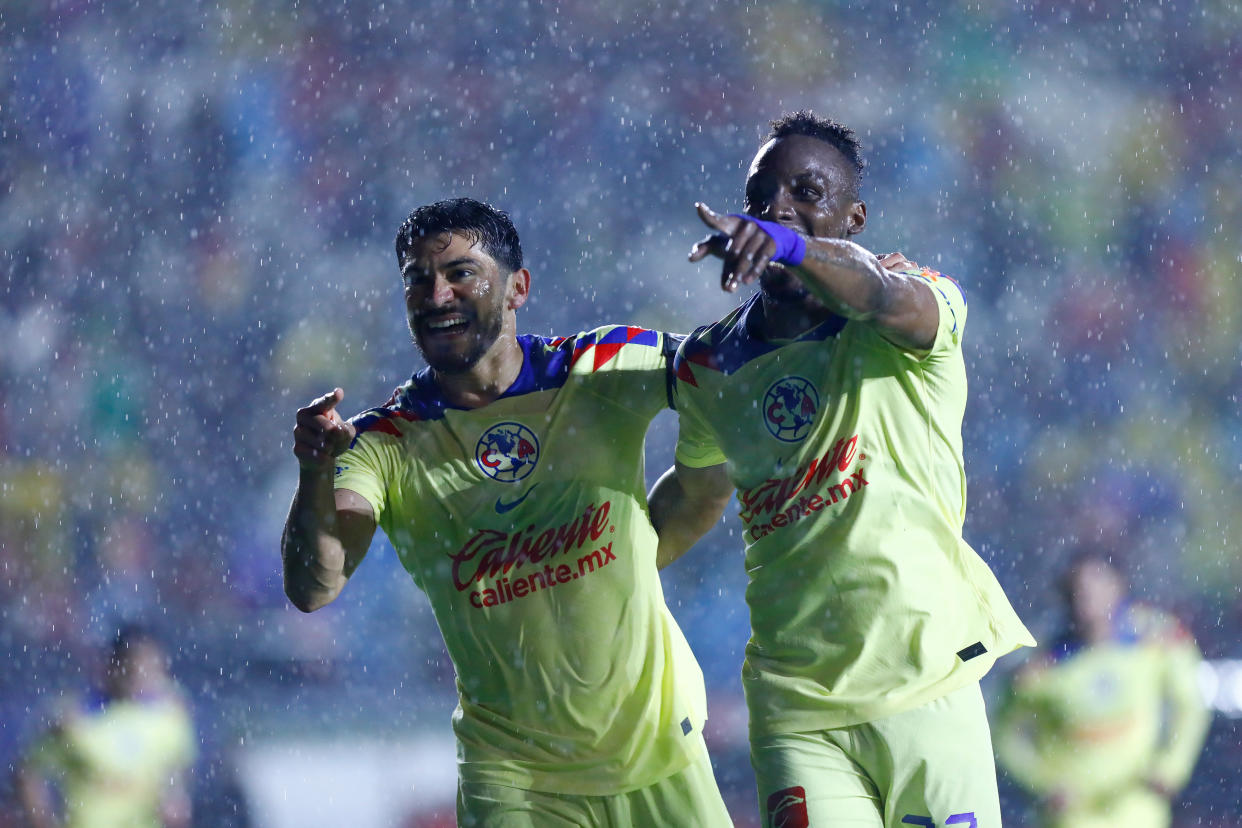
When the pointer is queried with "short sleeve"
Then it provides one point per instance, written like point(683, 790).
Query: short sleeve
point(183, 743)
point(364, 467)
point(951, 301)
point(632, 365)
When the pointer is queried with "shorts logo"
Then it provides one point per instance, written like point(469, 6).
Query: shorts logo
point(507, 452)
point(789, 408)
point(787, 809)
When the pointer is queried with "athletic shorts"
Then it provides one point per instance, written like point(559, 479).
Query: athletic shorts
point(688, 799)
point(931, 766)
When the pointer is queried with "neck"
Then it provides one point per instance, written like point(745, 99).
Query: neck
point(483, 382)
point(790, 319)
point(1098, 628)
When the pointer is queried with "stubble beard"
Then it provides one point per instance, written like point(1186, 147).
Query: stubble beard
point(461, 361)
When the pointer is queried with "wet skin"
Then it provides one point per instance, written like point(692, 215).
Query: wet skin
point(455, 301)
point(802, 183)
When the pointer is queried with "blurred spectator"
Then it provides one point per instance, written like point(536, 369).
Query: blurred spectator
point(1104, 726)
point(116, 757)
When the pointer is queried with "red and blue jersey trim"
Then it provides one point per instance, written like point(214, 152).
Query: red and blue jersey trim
point(737, 339)
point(546, 364)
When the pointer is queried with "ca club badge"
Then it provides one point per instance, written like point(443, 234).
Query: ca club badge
point(789, 408)
point(507, 452)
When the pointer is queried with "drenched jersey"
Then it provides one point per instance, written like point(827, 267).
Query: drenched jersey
point(846, 452)
point(525, 522)
point(1096, 720)
point(116, 760)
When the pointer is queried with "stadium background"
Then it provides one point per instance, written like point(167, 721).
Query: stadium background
point(197, 202)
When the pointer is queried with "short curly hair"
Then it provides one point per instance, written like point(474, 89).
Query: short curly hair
point(805, 122)
point(477, 221)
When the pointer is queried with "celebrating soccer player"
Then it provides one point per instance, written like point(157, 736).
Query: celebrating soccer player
point(1105, 726)
point(832, 402)
point(508, 475)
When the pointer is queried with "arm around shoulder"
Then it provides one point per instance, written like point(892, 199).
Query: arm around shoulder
point(854, 282)
point(685, 503)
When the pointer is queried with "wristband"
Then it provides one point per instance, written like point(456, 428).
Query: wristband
point(790, 246)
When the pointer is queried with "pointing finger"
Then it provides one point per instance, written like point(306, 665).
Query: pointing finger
point(710, 217)
point(326, 403)
point(712, 245)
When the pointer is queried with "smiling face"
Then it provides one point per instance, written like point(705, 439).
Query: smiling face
point(808, 185)
point(458, 300)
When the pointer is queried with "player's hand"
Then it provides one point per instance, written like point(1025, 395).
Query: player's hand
point(320, 434)
point(1160, 788)
point(745, 248)
point(895, 261)
point(1060, 801)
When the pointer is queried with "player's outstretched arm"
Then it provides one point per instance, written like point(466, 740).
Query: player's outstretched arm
point(685, 503)
point(843, 275)
point(328, 531)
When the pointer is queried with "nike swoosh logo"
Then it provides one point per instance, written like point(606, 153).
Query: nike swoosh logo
point(501, 507)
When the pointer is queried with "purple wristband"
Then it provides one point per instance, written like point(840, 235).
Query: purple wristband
point(790, 246)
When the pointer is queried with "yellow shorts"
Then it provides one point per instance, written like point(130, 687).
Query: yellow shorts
point(931, 766)
point(688, 799)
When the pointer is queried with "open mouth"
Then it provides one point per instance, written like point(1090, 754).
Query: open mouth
point(445, 325)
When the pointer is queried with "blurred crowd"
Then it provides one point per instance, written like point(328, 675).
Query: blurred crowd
point(197, 206)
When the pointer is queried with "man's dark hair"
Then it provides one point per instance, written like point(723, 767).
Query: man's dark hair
point(805, 122)
point(475, 220)
point(127, 637)
point(1082, 557)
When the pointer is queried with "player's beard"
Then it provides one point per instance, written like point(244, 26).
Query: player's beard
point(790, 308)
point(459, 357)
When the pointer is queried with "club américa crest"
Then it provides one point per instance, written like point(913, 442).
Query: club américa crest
point(507, 452)
point(789, 408)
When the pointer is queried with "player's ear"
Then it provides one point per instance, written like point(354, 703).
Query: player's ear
point(856, 219)
point(519, 288)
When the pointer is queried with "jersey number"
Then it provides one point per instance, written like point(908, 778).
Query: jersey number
point(967, 819)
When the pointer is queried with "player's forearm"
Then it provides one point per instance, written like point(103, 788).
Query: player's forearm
point(35, 799)
point(850, 280)
point(1188, 720)
point(175, 808)
point(313, 555)
point(680, 518)
point(845, 276)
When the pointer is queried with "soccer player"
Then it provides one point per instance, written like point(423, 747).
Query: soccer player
point(508, 475)
point(832, 402)
point(1105, 726)
point(118, 757)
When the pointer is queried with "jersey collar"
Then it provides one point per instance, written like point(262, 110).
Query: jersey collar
point(545, 365)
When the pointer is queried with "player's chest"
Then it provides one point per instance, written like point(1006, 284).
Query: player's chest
point(513, 444)
point(776, 419)
point(119, 745)
point(1106, 682)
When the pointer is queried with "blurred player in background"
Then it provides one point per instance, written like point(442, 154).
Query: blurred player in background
point(832, 401)
point(508, 475)
point(117, 758)
point(1105, 726)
